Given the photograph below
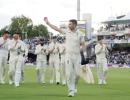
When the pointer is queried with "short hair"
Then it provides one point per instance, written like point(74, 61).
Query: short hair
point(74, 21)
point(17, 33)
point(5, 32)
point(99, 38)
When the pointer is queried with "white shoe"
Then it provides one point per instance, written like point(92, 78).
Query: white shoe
point(63, 83)
point(71, 94)
point(75, 91)
point(16, 85)
point(43, 82)
point(100, 82)
point(10, 82)
point(104, 82)
point(2, 82)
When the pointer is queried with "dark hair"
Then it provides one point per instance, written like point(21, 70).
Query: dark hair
point(5, 32)
point(17, 33)
point(74, 21)
point(99, 38)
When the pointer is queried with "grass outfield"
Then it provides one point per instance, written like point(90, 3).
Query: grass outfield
point(118, 88)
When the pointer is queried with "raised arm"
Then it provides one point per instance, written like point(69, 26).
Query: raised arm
point(52, 26)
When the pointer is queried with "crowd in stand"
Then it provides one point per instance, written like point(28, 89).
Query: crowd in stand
point(119, 57)
point(114, 57)
point(113, 28)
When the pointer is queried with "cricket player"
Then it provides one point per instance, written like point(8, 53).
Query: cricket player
point(4, 42)
point(24, 59)
point(101, 61)
point(54, 61)
point(73, 58)
point(62, 61)
point(41, 52)
point(17, 53)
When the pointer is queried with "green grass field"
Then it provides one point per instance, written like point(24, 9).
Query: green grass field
point(118, 88)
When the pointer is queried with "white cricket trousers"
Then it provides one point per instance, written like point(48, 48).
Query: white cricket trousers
point(102, 69)
point(3, 63)
point(41, 71)
point(72, 71)
point(62, 67)
point(54, 65)
point(15, 68)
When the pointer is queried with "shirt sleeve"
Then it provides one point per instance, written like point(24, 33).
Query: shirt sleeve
point(97, 49)
point(37, 50)
point(51, 46)
point(46, 48)
point(11, 45)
